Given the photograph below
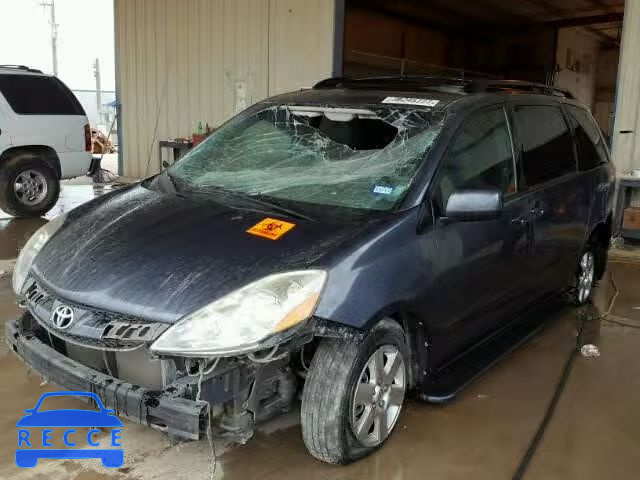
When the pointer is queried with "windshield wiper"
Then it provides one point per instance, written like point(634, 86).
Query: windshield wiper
point(180, 186)
point(259, 201)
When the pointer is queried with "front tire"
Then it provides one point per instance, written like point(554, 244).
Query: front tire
point(29, 187)
point(354, 393)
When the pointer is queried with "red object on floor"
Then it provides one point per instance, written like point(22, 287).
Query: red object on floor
point(631, 219)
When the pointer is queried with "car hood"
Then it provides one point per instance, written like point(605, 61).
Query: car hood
point(160, 256)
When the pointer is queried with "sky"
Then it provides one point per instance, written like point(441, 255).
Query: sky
point(85, 32)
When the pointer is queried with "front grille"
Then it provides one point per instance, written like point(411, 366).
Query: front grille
point(114, 317)
point(38, 295)
point(108, 342)
point(94, 343)
point(93, 328)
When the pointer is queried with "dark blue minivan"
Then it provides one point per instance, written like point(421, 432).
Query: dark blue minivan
point(353, 242)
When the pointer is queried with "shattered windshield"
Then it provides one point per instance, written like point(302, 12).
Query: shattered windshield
point(348, 157)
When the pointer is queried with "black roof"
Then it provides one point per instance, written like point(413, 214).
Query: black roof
point(21, 67)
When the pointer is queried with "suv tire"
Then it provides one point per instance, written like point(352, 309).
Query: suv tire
point(29, 187)
point(349, 405)
point(584, 278)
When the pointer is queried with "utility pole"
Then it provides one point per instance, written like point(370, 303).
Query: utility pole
point(54, 34)
point(96, 73)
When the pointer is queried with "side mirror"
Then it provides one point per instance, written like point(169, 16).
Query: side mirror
point(474, 205)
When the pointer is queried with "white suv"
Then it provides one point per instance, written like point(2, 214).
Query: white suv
point(44, 137)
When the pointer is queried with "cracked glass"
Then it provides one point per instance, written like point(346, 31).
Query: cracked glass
point(350, 157)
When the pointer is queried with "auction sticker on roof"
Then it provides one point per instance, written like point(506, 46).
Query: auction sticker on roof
point(423, 102)
point(271, 228)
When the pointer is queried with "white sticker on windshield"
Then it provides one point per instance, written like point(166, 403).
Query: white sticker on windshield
point(382, 189)
point(424, 102)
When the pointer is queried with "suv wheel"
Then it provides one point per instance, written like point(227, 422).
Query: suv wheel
point(582, 286)
point(354, 393)
point(28, 186)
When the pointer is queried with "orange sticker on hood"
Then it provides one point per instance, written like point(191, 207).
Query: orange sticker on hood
point(271, 228)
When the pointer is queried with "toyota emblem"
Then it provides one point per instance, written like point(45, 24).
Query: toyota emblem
point(62, 317)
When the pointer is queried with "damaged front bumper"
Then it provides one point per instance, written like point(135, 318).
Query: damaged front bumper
point(177, 395)
point(167, 410)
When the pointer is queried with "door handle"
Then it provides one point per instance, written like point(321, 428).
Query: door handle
point(537, 211)
point(518, 221)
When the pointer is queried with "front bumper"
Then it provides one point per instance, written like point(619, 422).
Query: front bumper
point(178, 416)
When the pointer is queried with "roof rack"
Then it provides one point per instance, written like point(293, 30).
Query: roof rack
point(518, 86)
point(462, 85)
point(22, 67)
point(404, 81)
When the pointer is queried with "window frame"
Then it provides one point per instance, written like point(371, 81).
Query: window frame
point(519, 141)
point(594, 124)
point(437, 176)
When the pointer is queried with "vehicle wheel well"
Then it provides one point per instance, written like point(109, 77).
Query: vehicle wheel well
point(418, 345)
point(414, 334)
point(48, 155)
point(599, 240)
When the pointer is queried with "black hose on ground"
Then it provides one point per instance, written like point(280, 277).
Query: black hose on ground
point(562, 382)
point(583, 314)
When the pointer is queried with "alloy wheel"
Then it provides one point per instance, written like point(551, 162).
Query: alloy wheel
point(378, 397)
point(30, 187)
point(585, 277)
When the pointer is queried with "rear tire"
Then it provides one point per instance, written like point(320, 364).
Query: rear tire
point(354, 393)
point(29, 187)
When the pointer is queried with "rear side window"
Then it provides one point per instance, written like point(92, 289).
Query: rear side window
point(480, 157)
point(592, 150)
point(547, 145)
point(38, 95)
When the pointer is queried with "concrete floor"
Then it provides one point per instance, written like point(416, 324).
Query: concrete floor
point(595, 433)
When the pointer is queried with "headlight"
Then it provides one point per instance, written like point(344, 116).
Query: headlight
point(240, 321)
point(31, 250)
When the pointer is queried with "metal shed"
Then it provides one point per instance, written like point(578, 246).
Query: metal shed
point(179, 63)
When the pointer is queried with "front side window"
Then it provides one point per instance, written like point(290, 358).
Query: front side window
point(547, 145)
point(481, 156)
point(348, 157)
point(592, 150)
point(38, 95)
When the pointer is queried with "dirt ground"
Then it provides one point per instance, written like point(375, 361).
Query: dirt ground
point(482, 434)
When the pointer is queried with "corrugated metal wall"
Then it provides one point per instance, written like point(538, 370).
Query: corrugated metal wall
point(626, 139)
point(179, 62)
point(300, 43)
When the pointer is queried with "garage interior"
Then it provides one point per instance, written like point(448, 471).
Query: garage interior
point(571, 44)
point(219, 68)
